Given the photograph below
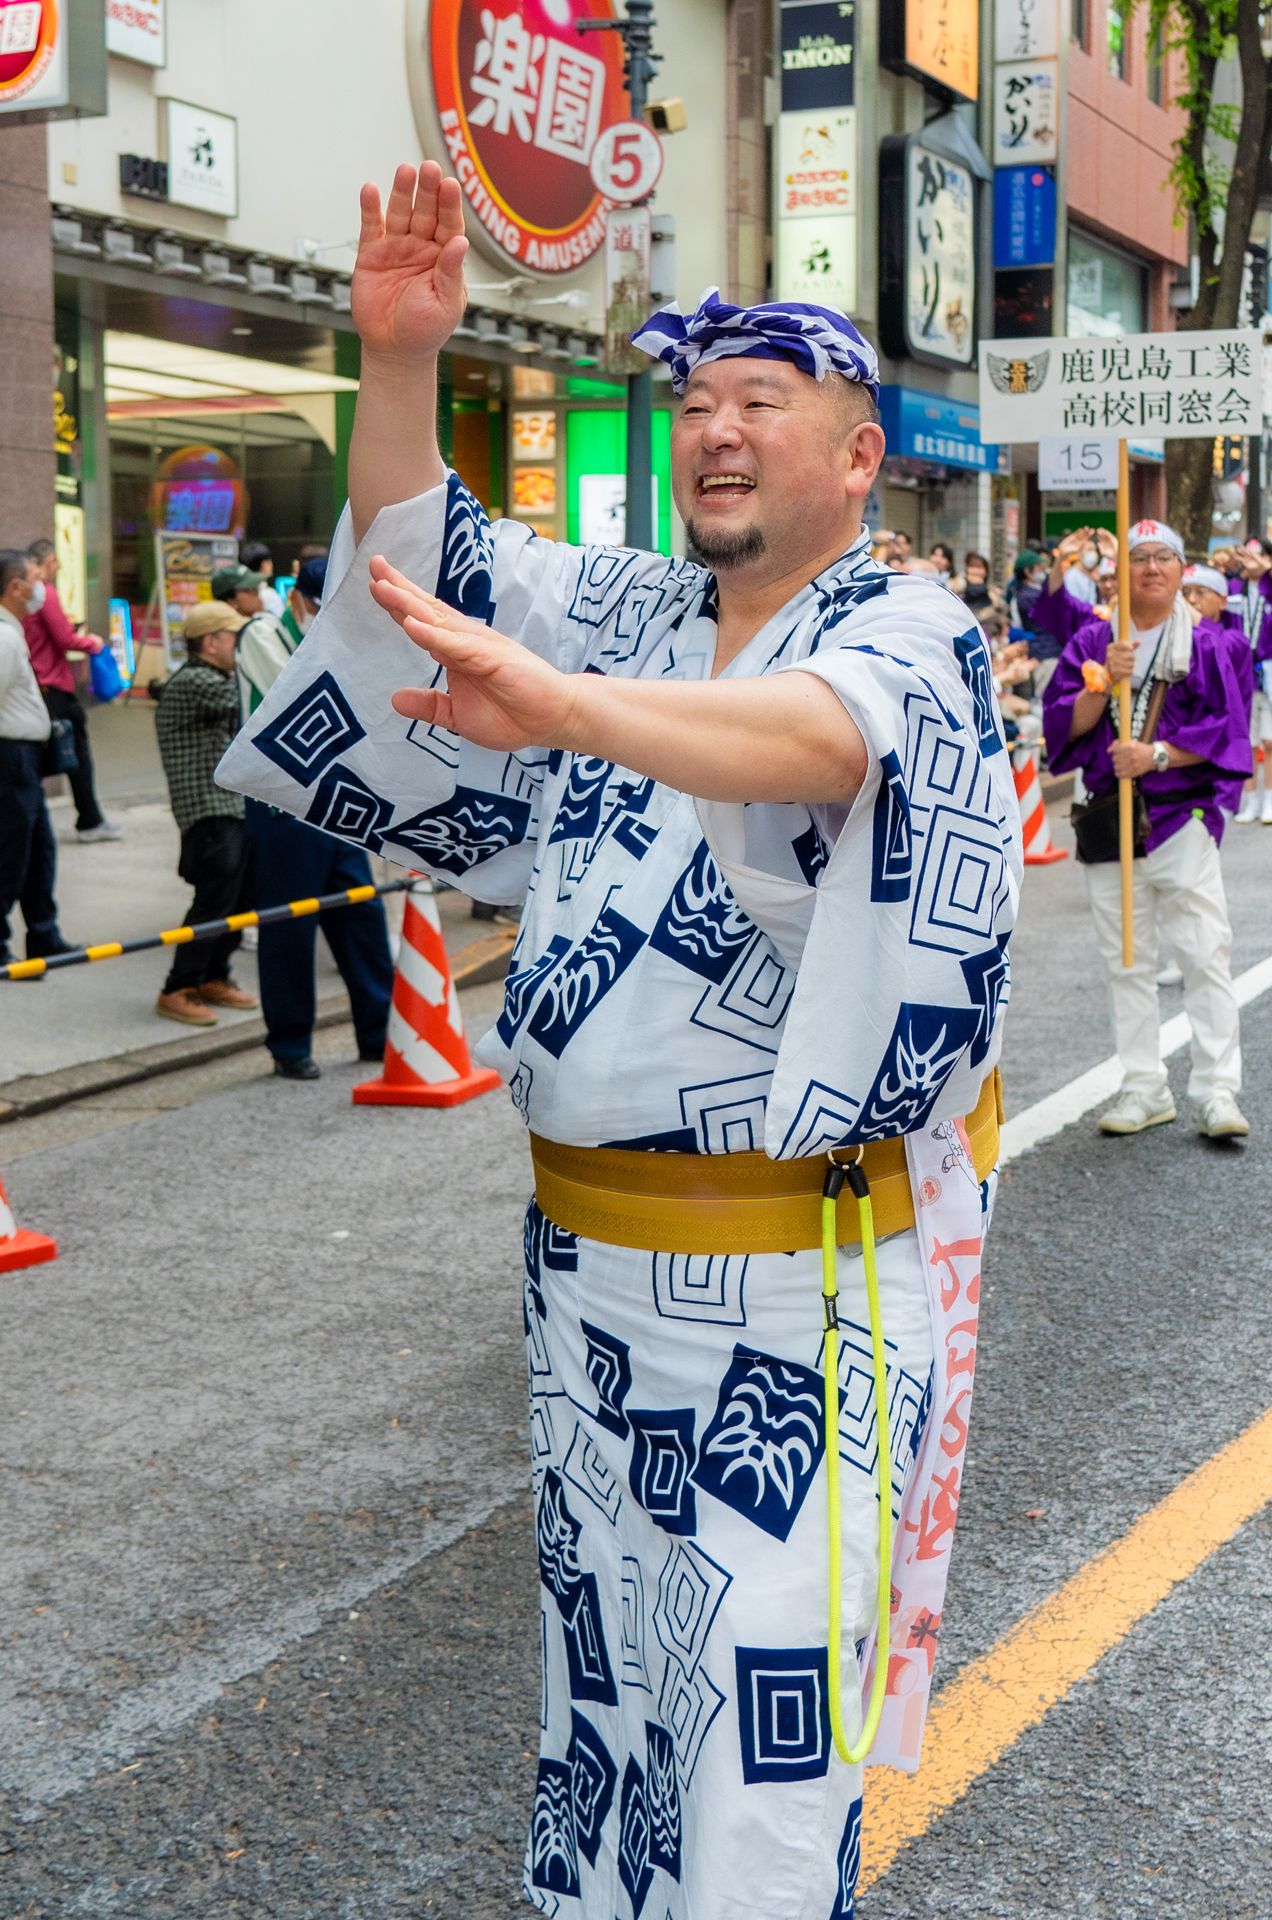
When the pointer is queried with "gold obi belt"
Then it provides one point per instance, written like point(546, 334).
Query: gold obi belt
point(732, 1202)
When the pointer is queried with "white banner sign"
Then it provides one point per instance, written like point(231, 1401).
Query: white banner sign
point(940, 293)
point(202, 156)
point(1026, 113)
point(817, 233)
point(135, 30)
point(1077, 466)
point(1168, 385)
point(1027, 29)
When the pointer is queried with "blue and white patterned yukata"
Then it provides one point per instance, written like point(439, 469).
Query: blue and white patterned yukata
point(706, 979)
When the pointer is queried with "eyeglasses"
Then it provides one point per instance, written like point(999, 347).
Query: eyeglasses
point(1153, 557)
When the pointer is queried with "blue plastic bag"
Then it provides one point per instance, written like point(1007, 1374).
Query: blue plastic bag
point(108, 682)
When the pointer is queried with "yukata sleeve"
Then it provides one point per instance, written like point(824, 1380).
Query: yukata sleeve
point(1060, 614)
point(895, 1019)
point(326, 743)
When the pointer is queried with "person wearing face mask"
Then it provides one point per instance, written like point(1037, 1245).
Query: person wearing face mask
point(294, 860)
point(1029, 577)
point(1190, 726)
point(51, 639)
point(974, 589)
point(28, 854)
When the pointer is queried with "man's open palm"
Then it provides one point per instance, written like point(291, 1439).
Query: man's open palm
point(498, 694)
point(408, 284)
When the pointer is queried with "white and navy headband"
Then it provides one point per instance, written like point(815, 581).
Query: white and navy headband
point(1208, 577)
point(815, 339)
point(1154, 533)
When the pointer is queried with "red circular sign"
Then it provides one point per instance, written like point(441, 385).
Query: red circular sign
point(521, 98)
point(627, 161)
point(28, 33)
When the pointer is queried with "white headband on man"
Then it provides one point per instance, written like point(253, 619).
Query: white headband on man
point(1153, 533)
point(1209, 577)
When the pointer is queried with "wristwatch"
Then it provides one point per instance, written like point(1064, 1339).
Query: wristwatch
point(1161, 756)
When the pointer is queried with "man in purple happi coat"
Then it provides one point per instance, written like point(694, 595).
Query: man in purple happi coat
point(1199, 748)
point(1249, 614)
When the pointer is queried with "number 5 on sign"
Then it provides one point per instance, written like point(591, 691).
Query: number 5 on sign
point(1077, 465)
point(627, 161)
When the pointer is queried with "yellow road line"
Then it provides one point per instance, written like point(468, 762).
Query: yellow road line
point(978, 1716)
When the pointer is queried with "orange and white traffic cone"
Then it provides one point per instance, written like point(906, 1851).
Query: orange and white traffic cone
point(1040, 849)
point(426, 1058)
point(19, 1247)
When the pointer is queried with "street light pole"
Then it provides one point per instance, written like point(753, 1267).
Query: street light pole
point(640, 67)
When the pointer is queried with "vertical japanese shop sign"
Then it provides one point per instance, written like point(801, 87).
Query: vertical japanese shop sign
point(938, 41)
point(628, 244)
point(927, 253)
point(1026, 112)
point(521, 99)
point(817, 154)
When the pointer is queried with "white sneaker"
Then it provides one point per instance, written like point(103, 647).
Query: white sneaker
point(1170, 977)
point(1132, 1112)
point(1266, 815)
point(1220, 1118)
point(108, 830)
point(1248, 812)
point(250, 939)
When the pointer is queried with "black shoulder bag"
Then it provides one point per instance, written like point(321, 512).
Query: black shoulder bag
point(1095, 821)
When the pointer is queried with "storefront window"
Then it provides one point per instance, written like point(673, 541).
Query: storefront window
point(1108, 291)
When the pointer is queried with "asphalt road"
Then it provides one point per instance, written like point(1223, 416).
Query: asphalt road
point(268, 1588)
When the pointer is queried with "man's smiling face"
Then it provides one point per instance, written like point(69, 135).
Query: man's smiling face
point(760, 454)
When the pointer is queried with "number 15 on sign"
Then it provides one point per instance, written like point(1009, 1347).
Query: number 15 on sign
point(1073, 465)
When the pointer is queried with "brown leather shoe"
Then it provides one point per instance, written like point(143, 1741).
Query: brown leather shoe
point(224, 993)
point(186, 1006)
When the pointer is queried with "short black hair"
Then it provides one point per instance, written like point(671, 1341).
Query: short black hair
point(14, 562)
point(252, 552)
point(943, 546)
point(40, 550)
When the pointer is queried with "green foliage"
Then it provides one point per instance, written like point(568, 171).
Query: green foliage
point(1204, 34)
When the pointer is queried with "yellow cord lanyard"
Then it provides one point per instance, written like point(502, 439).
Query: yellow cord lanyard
point(831, 1189)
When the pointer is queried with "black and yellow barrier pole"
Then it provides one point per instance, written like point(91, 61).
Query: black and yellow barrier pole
point(209, 930)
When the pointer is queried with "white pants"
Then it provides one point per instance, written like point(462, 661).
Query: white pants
point(1179, 894)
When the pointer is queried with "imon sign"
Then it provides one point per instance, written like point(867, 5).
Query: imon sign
point(28, 39)
point(1173, 385)
point(521, 97)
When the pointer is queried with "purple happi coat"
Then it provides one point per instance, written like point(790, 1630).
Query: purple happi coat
point(1207, 713)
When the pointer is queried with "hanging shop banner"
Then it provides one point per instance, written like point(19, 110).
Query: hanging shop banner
point(137, 30)
point(522, 98)
point(52, 60)
point(927, 253)
point(817, 155)
point(1026, 113)
point(1027, 29)
point(935, 40)
point(628, 240)
point(184, 565)
point(1176, 385)
point(1024, 216)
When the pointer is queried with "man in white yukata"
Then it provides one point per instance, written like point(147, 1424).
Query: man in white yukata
point(765, 826)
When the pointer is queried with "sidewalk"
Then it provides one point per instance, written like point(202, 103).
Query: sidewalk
point(90, 1026)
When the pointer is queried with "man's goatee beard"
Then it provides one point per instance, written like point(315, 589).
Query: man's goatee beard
point(723, 548)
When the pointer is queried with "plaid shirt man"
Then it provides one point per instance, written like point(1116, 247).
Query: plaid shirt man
point(198, 717)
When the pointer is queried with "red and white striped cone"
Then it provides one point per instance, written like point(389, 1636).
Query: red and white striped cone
point(19, 1247)
point(1040, 849)
point(426, 1058)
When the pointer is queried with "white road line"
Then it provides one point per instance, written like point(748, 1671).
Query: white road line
point(1059, 1110)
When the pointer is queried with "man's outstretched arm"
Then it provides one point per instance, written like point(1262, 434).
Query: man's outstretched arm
point(786, 737)
point(408, 297)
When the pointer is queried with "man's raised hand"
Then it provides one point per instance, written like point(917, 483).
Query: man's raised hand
point(408, 290)
point(497, 695)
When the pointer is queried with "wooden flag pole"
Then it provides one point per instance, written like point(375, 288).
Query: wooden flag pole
point(1125, 788)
